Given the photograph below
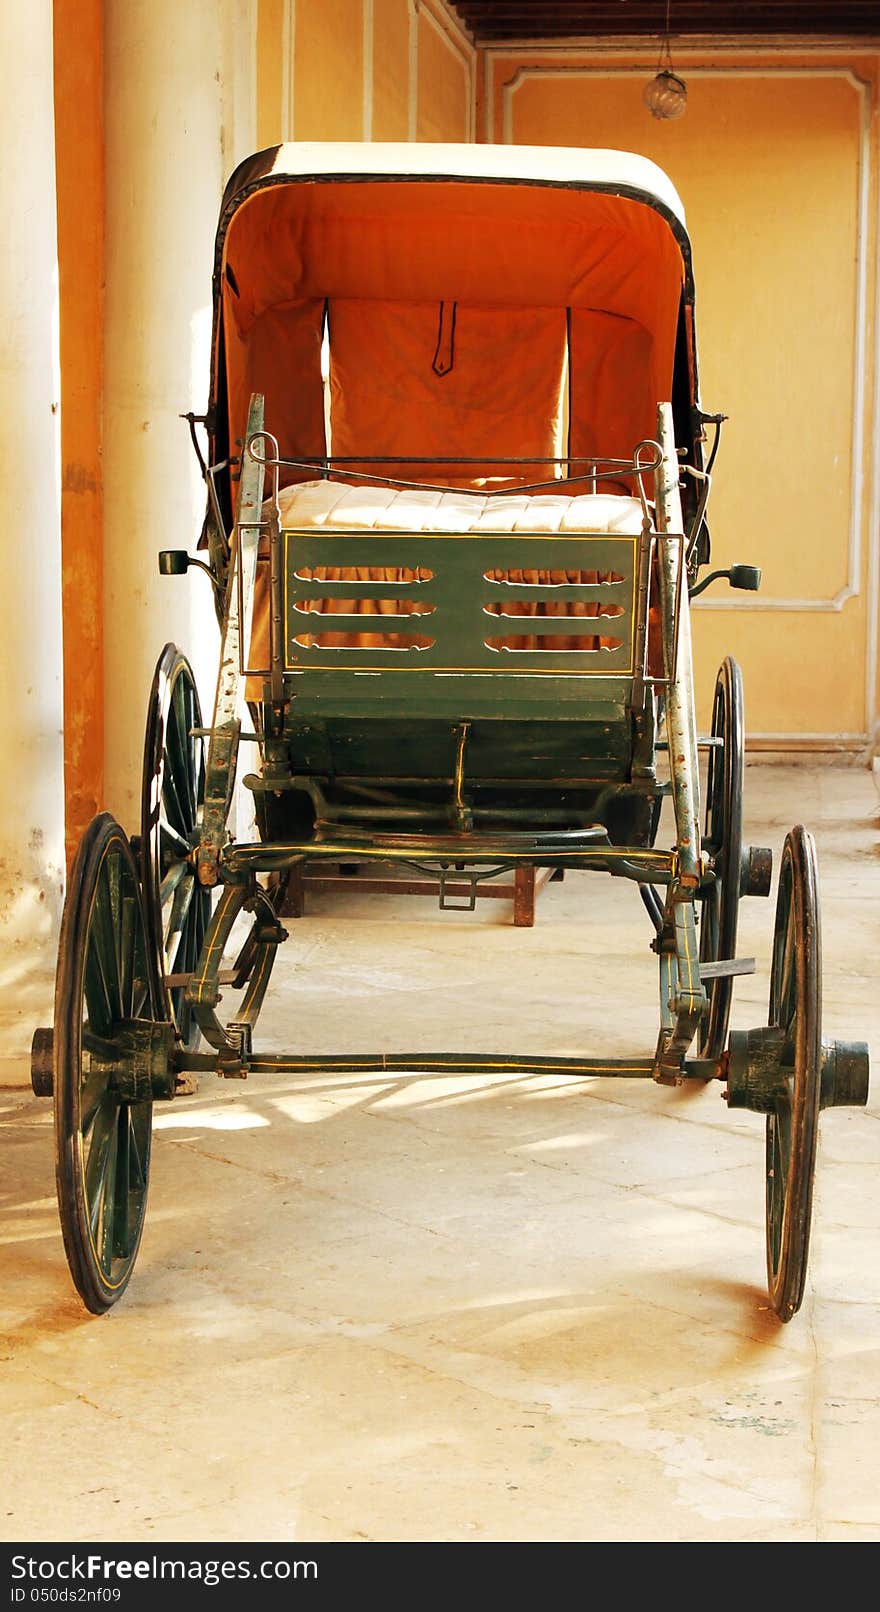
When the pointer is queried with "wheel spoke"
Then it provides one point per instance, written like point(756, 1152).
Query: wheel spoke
point(177, 924)
point(103, 1132)
point(172, 807)
point(141, 996)
point(113, 866)
point(177, 791)
point(99, 1007)
point(91, 1095)
point(183, 723)
point(141, 999)
point(787, 1006)
point(122, 1186)
point(775, 1190)
point(105, 941)
point(126, 953)
point(108, 1202)
point(171, 880)
point(783, 1140)
point(173, 846)
point(137, 1173)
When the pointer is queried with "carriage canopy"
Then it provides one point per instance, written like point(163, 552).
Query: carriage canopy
point(480, 301)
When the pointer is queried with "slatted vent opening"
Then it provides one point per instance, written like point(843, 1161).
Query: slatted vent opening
point(519, 578)
point(401, 575)
point(363, 607)
point(552, 607)
point(363, 640)
point(570, 643)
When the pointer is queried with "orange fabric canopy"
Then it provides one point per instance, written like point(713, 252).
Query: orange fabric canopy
point(471, 317)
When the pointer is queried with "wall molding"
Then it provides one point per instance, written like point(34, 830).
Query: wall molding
point(448, 18)
point(288, 72)
point(458, 42)
point(851, 588)
point(872, 646)
point(414, 8)
point(368, 49)
point(445, 24)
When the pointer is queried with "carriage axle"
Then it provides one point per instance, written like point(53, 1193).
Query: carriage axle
point(141, 1061)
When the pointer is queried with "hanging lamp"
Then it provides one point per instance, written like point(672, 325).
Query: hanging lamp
point(666, 95)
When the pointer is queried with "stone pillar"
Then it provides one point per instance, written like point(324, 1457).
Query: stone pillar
point(31, 691)
point(177, 79)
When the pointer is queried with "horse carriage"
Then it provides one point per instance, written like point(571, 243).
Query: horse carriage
point(457, 479)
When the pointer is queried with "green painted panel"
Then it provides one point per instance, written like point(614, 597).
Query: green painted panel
point(459, 696)
point(396, 746)
point(459, 590)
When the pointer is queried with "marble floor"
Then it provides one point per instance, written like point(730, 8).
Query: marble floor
point(405, 1308)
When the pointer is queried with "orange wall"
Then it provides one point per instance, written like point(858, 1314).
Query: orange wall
point(79, 140)
point(363, 69)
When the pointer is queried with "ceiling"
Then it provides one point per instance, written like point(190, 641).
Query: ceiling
point(490, 20)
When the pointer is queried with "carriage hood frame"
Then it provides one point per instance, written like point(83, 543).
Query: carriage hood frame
point(610, 254)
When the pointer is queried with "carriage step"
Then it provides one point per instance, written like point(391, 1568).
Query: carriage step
point(725, 967)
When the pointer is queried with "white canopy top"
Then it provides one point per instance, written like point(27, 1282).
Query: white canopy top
point(559, 165)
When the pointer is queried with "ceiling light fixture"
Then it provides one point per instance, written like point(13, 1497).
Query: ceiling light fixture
point(666, 95)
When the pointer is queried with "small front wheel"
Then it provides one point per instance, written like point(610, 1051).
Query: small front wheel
point(722, 838)
point(172, 797)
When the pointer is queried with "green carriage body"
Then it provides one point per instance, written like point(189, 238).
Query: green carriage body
point(542, 743)
point(543, 735)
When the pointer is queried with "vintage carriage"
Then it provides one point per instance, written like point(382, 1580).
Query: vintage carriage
point(454, 407)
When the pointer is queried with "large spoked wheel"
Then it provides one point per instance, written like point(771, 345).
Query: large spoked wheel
point(793, 1122)
point(104, 1005)
point(172, 797)
point(722, 838)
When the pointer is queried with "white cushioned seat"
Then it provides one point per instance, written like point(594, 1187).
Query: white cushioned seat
point(335, 504)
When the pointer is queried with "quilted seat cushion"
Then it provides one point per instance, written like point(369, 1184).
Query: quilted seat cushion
point(331, 503)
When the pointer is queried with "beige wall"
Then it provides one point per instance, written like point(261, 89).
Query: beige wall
point(775, 160)
point(363, 69)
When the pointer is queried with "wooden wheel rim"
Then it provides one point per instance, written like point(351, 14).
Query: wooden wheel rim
point(102, 1140)
point(723, 835)
point(172, 796)
point(792, 1129)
